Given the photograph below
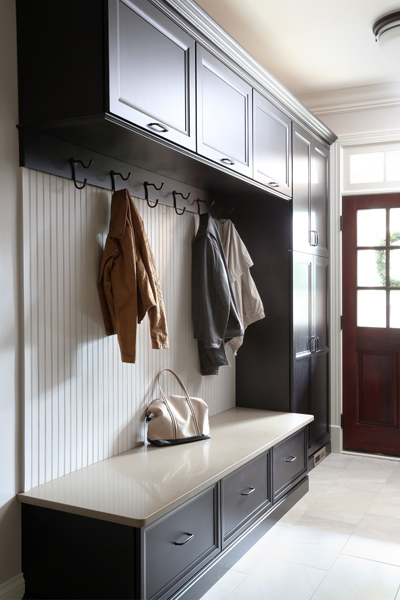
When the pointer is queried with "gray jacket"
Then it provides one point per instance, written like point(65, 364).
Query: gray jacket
point(215, 315)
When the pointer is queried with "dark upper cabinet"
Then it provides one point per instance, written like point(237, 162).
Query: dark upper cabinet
point(311, 344)
point(272, 145)
point(224, 114)
point(310, 194)
point(152, 71)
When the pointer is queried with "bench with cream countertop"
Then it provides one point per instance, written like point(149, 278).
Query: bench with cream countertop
point(150, 522)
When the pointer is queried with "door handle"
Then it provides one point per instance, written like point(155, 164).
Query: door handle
point(313, 344)
point(251, 490)
point(317, 343)
point(291, 459)
point(190, 537)
point(227, 161)
point(158, 127)
point(313, 237)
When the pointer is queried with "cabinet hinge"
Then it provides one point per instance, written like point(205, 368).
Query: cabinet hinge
point(341, 222)
point(341, 321)
point(341, 420)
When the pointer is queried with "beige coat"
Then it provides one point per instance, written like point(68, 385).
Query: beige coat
point(128, 283)
point(247, 298)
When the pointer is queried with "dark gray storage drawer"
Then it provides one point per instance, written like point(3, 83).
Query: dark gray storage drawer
point(180, 543)
point(244, 493)
point(289, 461)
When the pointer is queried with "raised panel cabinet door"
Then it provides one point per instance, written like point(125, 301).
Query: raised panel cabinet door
point(152, 71)
point(303, 344)
point(224, 113)
point(319, 428)
point(272, 145)
point(320, 199)
point(302, 153)
point(310, 390)
point(310, 194)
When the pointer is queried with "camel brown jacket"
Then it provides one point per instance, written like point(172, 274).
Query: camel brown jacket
point(128, 284)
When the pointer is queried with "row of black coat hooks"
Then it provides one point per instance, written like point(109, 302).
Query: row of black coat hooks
point(147, 184)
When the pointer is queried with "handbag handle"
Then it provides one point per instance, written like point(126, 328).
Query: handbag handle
point(164, 397)
point(179, 381)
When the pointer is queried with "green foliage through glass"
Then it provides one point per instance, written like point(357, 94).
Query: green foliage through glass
point(380, 260)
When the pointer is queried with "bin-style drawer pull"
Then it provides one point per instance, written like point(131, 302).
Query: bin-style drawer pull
point(273, 184)
point(250, 491)
point(158, 127)
point(190, 537)
point(291, 459)
point(227, 161)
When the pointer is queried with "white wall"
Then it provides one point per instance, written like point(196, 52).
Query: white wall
point(10, 325)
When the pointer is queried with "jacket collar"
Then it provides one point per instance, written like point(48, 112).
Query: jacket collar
point(207, 226)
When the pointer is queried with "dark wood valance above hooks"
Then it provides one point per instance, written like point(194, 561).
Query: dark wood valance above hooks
point(48, 154)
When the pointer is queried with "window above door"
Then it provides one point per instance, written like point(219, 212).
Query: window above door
point(373, 167)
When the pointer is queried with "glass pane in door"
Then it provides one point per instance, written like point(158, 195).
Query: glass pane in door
point(395, 268)
point(395, 226)
point(371, 308)
point(371, 268)
point(395, 308)
point(371, 227)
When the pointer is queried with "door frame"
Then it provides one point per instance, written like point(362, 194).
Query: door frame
point(336, 338)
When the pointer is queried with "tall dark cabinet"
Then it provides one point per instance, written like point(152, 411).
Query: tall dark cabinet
point(284, 362)
point(310, 274)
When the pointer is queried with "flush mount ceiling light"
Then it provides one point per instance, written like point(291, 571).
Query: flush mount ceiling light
point(387, 32)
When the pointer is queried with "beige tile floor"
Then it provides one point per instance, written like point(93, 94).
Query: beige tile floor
point(340, 542)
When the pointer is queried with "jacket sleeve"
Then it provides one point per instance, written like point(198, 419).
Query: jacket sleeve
point(118, 297)
point(150, 298)
point(210, 294)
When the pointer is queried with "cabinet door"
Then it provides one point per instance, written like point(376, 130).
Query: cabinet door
point(272, 144)
point(223, 114)
point(310, 193)
point(311, 344)
point(319, 217)
point(302, 334)
point(152, 71)
point(320, 360)
point(302, 149)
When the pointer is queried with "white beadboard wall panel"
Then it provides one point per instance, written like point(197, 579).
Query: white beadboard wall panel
point(82, 404)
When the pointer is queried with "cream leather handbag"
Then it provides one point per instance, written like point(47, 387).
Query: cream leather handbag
point(176, 419)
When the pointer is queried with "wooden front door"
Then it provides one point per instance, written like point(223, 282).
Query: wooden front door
point(371, 323)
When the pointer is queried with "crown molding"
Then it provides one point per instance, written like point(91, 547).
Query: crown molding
point(367, 97)
point(213, 37)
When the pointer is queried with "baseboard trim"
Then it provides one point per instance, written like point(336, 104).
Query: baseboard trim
point(13, 589)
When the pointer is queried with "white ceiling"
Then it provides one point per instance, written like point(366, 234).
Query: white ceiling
point(311, 46)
